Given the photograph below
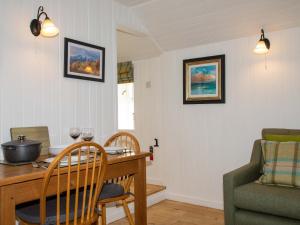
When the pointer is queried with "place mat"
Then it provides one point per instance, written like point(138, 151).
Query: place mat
point(3, 162)
point(47, 161)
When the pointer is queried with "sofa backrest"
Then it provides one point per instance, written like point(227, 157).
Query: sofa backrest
point(281, 131)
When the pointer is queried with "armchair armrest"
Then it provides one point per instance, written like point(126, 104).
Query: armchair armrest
point(243, 175)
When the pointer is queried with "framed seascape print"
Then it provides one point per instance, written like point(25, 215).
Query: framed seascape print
point(204, 80)
point(84, 61)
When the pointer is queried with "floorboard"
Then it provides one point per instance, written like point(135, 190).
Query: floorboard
point(177, 213)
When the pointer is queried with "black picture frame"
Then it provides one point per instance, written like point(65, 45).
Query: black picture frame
point(214, 81)
point(88, 63)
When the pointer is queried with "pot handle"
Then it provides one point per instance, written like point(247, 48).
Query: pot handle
point(21, 137)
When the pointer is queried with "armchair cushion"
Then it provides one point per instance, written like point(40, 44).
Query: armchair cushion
point(275, 200)
point(282, 137)
point(282, 163)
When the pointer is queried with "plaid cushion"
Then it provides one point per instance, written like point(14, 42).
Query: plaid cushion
point(281, 163)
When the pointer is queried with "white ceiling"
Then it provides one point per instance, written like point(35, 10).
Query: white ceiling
point(132, 2)
point(132, 46)
point(183, 23)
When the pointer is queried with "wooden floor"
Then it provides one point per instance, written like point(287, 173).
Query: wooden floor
point(177, 213)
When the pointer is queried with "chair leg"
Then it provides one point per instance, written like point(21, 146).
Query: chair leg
point(127, 212)
point(103, 214)
point(99, 217)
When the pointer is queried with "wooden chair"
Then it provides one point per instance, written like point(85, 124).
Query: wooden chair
point(34, 133)
point(128, 141)
point(75, 188)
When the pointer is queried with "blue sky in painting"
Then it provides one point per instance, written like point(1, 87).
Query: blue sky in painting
point(209, 69)
point(82, 54)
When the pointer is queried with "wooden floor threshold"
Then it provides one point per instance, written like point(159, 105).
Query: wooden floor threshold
point(151, 190)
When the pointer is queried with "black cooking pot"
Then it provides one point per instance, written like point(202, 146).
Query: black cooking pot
point(21, 150)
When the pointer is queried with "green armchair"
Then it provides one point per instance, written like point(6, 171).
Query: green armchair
point(250, 203)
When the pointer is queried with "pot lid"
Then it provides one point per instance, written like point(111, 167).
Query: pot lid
point(22, 141)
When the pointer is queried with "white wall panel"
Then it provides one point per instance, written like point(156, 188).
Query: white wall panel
point(199, 143)
point(148, 111)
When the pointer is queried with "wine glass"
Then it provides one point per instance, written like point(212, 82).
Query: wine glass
point(75, 133)
point(87, 134)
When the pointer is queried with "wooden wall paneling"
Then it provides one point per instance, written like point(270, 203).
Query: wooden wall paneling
point(34, 92)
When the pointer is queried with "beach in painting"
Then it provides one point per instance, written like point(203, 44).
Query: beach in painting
point(84, 60)
point(203, 80)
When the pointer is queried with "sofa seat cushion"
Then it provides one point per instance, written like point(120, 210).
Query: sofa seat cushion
point(244, 217)
point(275, 200)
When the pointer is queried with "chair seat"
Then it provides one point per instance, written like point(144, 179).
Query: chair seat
point(111, 191)
point(30, 211)
point(274, 200)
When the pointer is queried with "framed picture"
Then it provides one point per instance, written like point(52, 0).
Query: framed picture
point(84, 61)
point(204, 80)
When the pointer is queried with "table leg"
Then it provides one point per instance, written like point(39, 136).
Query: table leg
point(7, 207)
point(140, 198)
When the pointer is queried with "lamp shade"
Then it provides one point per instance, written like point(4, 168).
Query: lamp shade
point(48, 29)
point(263, 44)
point(261, 47)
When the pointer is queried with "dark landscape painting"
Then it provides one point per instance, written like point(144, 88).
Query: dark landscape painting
point(84, 61)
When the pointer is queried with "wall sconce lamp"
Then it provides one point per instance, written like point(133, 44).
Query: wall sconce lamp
point(46, 28)
point(263, 44)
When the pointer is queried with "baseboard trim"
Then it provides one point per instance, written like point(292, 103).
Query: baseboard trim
point(194, 200)
point(116, 213)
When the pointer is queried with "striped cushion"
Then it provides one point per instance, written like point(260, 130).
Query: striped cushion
point(281, 163)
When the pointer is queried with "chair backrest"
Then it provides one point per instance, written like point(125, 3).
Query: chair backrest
point(34, 133)
point(130, 142)
point(124, 139)
point(84, 180)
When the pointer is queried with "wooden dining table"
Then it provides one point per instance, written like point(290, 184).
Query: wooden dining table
point(19, 184)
